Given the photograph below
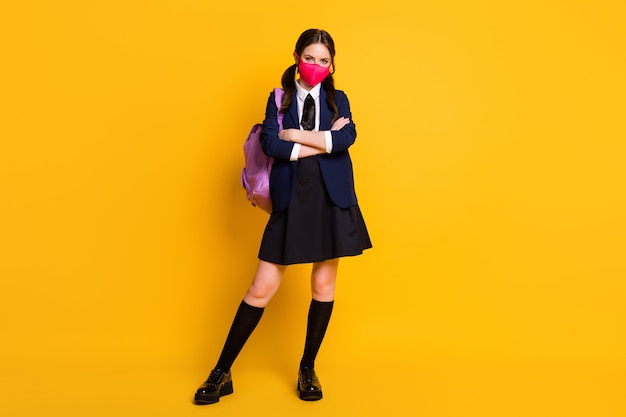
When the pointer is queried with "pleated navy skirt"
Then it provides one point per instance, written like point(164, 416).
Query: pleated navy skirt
point(312, 229)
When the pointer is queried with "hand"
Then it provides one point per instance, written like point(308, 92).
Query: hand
point(340, 123)
point(287, 135)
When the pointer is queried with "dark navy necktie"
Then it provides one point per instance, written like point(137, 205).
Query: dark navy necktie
point(308, 113)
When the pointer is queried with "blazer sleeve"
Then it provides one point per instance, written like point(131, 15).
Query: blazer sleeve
point(271, 144)
point(344, 138)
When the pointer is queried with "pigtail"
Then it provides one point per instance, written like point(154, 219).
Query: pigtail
point(289, 85)
point(329, 86)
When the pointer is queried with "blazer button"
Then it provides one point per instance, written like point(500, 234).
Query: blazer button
point(302, 182)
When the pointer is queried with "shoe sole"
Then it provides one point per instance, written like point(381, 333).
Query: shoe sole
point(203, 399)
point(309, 396)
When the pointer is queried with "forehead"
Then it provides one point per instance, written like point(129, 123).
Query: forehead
point(317, 50)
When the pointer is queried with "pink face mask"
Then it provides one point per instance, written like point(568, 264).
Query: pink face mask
point(313, 74)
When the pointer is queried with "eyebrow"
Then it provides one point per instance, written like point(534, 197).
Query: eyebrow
point(311, 56)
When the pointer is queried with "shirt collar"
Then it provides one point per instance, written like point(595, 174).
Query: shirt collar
point(302, 93)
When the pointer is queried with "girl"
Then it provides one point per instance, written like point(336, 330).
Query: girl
point(315, 218)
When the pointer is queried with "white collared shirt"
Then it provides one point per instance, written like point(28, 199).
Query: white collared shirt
point(301, 94)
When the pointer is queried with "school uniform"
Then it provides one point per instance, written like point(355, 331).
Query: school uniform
point(315, 215)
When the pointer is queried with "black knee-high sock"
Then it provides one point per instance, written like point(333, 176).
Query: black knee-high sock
point(244, 323)
point(319, 316)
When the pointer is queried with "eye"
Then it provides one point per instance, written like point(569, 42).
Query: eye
point(324, 62)
point(309, 59)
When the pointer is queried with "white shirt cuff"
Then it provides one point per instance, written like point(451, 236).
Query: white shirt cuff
point(329, 141)
point(295, 151)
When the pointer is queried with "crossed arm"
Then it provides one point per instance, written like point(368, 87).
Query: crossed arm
point(312, 142)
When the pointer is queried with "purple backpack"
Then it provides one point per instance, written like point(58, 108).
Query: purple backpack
point(255, 176)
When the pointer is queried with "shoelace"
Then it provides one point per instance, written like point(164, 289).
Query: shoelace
point(215, 377)
point(306, 375)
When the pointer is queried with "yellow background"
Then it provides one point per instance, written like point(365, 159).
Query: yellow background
point(489, 167)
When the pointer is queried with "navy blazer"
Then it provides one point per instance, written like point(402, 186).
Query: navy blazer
point(336, 167)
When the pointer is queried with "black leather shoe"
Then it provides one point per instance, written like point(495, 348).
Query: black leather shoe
point(308, 385)
point(218, 384)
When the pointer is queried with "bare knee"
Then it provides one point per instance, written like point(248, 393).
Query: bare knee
point(323, 291)
point(323, 280)
point(260, 293)
point(265, 284)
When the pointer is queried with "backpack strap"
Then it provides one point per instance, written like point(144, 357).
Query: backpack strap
point(278, 98)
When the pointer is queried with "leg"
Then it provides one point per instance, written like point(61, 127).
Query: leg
point(323, 280)
point(265, 284)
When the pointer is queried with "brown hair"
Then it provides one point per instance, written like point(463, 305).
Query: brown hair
point(309, 37)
